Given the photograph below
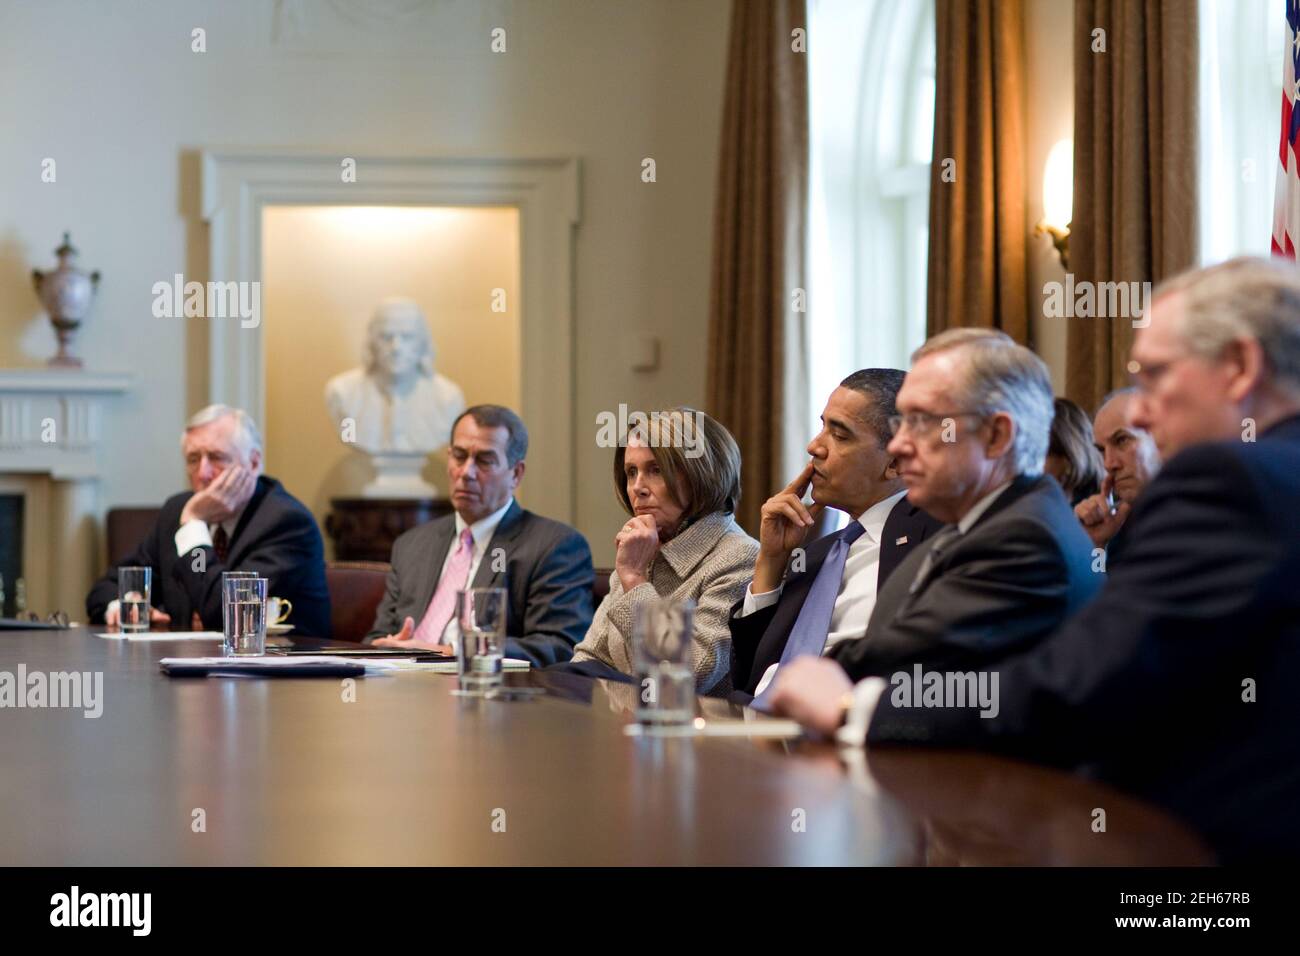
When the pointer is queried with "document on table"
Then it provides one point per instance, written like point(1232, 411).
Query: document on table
point(267, 666)
point(449, 667)
point(163, 636)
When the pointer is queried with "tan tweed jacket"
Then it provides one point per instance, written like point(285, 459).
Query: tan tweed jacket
point(710, 562)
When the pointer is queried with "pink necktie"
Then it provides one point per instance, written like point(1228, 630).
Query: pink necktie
point(443, 605)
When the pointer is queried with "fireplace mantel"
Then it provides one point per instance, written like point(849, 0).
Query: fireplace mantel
point(51, 443)
point(51, 420)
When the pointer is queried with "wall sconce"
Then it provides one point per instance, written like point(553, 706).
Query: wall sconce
point(1058, 198)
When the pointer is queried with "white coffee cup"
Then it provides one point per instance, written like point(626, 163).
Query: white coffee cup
point(277, 610)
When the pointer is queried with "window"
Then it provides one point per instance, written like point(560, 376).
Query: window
point(871, 127)
point(1242, 44)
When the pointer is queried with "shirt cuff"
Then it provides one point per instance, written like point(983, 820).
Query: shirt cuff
point(192, 534)
point(756, 602)
point(865, 698)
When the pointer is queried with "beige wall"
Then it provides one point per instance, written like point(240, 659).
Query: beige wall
point(114, 94)
point(323, 271)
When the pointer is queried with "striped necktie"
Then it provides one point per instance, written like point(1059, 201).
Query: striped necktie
point(808, 635)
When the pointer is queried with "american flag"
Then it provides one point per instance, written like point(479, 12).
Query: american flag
point(1286, 198)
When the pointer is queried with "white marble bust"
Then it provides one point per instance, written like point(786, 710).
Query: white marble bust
point(397, 400)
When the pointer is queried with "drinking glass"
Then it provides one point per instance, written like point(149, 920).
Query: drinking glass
point(661, 655)
point(133, 591)
point(226, 576)
point(480, 651)
point(244, 614)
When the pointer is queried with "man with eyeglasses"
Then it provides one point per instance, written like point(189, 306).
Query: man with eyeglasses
point(1181, 681)
point(489, 541)
point(970, 440)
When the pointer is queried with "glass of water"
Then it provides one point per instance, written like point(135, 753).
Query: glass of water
point(481, 616)
point(244, 614)
point(133, 592)
point(661, 653)
point(226, 576)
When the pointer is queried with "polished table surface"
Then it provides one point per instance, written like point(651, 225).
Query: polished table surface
point(287, 771)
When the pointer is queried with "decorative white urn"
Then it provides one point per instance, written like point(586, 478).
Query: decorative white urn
point(66, 294)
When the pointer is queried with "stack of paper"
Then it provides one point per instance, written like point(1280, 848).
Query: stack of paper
point(264, 666)
point(163, 636)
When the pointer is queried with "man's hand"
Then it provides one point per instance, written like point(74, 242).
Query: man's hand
point(637, 543)
point(784, 526)
point(1097, 518)
point(811, 690)
point(222, 498)
point(404, 639)
point(113, 616)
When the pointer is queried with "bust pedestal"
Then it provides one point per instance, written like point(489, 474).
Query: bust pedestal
point(364, 529)
point(397, 475)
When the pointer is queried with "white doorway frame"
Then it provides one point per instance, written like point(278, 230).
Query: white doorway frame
point(239, 183)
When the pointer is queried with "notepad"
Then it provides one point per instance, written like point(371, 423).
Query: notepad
point(719, 728)
point(263, 666)
point(163, 636)
point(449, 667)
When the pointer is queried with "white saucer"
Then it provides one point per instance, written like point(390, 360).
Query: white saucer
point(278, 629)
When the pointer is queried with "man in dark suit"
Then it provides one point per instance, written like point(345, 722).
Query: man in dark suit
point(1181, 681)
point(1131, 459)
point(489, 541)
point(850, 471)
point(235, 518)
point(970, 441)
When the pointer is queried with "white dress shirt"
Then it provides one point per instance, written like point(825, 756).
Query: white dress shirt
point(866, 694)
point(481, 531)
point(197, 533)
point(857, 594)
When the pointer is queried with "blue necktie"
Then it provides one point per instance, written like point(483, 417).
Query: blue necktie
point(808, 635)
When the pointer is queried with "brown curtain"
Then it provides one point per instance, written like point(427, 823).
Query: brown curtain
point(1135, 212)
point(977, 273)
point(757, 378)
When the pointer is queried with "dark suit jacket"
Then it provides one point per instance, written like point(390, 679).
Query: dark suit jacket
point(1117, 545)
point(1146, 685)
point(276, 537)
point(1008, 582)
point(758, 639)
point(547, 578)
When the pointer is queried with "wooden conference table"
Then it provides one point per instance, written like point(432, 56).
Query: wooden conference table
point(285, 771)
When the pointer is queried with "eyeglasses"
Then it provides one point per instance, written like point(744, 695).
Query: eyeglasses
point(1146, 377)
point(58, 618)
point(921, 424)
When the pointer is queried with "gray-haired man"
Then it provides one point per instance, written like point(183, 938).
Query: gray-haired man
point(1181, 681)
point(233, 518)
point(975, 412)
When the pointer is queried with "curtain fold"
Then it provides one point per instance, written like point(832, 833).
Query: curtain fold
point(977, 274)
point(757, 353)
point(1135, 159)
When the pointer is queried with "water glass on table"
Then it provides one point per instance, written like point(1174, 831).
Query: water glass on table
point(226, 576)
point(244, 614)
point(480, 650)
point(661, 655)
point(134, 586)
